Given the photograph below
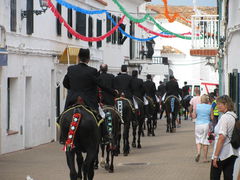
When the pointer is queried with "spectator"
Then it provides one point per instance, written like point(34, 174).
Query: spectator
point(203, 112)
point(193, 104)
point(224, 155)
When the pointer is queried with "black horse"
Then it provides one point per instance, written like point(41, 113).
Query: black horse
point(113, 121)
point(185, 104)
point(80, 133)
point(140, 115)
point(127, 111)
point(171, 105)
point(151, 114)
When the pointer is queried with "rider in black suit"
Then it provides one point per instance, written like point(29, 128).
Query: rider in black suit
point(82, 80)
point(150, 88)
point(107, 80)
point(137, 85)
point(185, 90)
point(172, 87)
point(122, 83)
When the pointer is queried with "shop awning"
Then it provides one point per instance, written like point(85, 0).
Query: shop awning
point(69, 55)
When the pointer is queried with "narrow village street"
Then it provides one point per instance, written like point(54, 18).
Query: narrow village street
point(163, 157)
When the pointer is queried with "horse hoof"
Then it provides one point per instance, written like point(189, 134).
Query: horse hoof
point(139, 146)
point(96, 166)
point(102, 164)
point(107, 167)
point(167, 131)
point(125, 154)
point(134, 144)
point(110, 170)
point(153, 134)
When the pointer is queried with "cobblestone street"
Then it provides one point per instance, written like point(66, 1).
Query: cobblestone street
point(164, 157)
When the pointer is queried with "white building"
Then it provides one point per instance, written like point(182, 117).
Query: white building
point(30, 97)
point(185, 67)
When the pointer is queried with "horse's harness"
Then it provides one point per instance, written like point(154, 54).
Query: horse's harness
point(129, 102)
point(172, 96)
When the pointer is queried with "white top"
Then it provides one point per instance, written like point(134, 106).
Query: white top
point(225, 127)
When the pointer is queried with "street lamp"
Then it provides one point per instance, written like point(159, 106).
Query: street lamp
point(43, 5)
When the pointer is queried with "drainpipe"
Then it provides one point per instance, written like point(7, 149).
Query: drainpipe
point(3, 35)
point(2, 45)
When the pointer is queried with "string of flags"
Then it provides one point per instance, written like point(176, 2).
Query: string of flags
point(117, 25)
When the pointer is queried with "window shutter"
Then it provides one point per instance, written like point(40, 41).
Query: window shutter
point(70, 21)
point(99, 32)
point(59, 25)
point(13, 20)
point(81, 23)
point(120, 36)
point(114, 35)
point(108, 27)
point(29, 17)
point(90, 29)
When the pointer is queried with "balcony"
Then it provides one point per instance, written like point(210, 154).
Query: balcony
point(205, 35)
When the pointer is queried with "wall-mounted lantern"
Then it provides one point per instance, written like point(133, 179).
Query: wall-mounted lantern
point(43, 5)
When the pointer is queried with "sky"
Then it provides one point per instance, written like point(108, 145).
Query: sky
point(187, 2)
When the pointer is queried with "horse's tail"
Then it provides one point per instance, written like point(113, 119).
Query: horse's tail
point(76, 118)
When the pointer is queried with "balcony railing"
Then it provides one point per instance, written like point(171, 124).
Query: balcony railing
point(205, 32)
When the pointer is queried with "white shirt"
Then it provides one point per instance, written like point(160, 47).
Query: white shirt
point(225, 127)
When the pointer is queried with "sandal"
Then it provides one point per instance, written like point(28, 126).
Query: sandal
point(197, 158)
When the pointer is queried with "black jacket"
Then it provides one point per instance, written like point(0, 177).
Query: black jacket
point(161, 90)
point(138, 88)
point(82, 80)
point(185, 91)
point(122, 83)
point(150, 89)
point(107, 80)
point(172, 88)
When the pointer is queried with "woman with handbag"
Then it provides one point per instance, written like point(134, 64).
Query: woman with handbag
point(224, 155)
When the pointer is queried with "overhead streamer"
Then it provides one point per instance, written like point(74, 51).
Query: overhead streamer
point(147, 16)
point(76, 34)
point(165, 35)
point(76, 8)
point(128, 35)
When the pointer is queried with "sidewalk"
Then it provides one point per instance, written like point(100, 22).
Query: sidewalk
point(163, 157)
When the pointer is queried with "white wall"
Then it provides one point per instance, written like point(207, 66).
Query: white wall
point(231, 59)
point(40, 121)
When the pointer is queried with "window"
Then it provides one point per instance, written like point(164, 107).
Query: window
point(114, 35)
point(12, 104)
point(30, 17)
point(99, 32)
point(90, 29)
point(108, 27)
point(13, 17)
point(81, 23)
point(69, 21)
point(59, 25)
